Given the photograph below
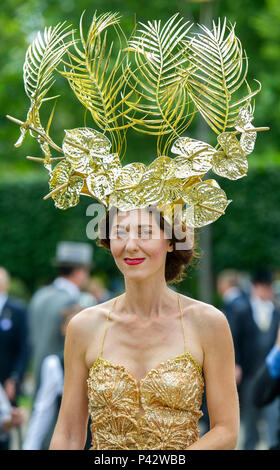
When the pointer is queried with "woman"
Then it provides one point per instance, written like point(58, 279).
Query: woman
point(125, 360)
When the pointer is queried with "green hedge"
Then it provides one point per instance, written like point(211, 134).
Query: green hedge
point(247, 236)
point(31, 228)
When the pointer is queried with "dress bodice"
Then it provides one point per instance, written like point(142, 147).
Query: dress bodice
point(170, 396)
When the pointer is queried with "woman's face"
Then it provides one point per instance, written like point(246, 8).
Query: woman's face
point(138, 244)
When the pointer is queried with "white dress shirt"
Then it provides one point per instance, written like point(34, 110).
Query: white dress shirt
point(231, 294)
point(67, 285)
point(3, 300)
point(5, 412)
point(52, 380)
point(262, 312)
point(85, 299)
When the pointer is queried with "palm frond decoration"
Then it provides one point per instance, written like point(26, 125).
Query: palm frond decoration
point(97, 77)
point(163, 107)
point(217, 70)
point(42, 57)
point(155, 83)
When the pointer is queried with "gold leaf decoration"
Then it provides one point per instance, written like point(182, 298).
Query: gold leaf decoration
point(100, 186)
point(195, 157)
point(155, 82)
point(232, 166)
point(90, 141)
point(159, 185)
point(231, 161)
point(125, 197)
point(98, 77)
point(102, 183)
point(112, 164)
point(218, 68)
point(70, 185)
point(42, 57)
point(243, 124)
point(84, 148)
point(162, 103)
point(206, 204)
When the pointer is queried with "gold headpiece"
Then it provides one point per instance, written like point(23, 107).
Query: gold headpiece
point(155, 83)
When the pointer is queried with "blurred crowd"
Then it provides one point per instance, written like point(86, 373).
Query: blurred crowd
point(252, 308)
point(32, 342)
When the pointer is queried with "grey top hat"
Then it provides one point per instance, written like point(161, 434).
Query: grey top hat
point(73, 254)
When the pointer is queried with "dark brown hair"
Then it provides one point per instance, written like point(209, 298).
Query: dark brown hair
point(176, 261)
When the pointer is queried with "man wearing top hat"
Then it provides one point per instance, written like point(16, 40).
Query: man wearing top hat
point(254, 326)
point(73, 262)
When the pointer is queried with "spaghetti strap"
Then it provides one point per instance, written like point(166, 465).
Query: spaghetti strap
point(105, 329)
point(108, 317)
point(181, 314)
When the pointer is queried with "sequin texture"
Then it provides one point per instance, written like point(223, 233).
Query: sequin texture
point(169, 397)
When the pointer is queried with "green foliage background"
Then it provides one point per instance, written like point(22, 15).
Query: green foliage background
point(247, 236)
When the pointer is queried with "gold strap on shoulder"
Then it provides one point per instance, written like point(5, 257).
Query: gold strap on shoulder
point(181, 314)
point(105, 329)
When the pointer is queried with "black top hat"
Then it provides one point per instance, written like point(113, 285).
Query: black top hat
point(262, 276)
point(73, 254)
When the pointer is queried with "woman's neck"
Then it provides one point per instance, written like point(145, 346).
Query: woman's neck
point(148, 299)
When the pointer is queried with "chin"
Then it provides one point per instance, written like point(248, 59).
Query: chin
point(135, 276)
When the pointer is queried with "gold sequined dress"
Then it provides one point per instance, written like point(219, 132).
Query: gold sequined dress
point(170, 396)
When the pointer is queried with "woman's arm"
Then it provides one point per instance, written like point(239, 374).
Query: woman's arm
point(71, 428)
point(221, 391)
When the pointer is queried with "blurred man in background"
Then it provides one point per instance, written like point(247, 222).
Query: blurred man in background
point(254, 327)
point(14, 346)
point(10, 417)
point(96, 286)
point(233, 298)
point(73, 261)
point(267, 383)
point(48, 398)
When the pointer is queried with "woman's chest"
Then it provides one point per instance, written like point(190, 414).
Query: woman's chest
point(140, 349)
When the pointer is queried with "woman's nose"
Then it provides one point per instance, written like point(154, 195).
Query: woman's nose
point(132, 242)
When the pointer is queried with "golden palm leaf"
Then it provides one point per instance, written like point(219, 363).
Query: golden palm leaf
point(97, 77)
point(218, 68)
point(163, 102)
point(42, 57)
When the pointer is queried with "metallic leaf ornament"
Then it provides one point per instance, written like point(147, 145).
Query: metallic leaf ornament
point(206, 201)
point(195, 157)
point(155, 82)
point(65, 185)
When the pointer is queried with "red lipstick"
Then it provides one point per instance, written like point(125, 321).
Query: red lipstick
point(134, 260)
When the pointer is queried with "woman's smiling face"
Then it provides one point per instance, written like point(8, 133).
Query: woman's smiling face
point(138, 244)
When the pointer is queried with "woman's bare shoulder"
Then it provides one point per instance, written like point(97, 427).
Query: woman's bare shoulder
point(205, 315)
point(89, 319)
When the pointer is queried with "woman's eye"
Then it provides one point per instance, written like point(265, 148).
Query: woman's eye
point(145, 232)
point(121, 232)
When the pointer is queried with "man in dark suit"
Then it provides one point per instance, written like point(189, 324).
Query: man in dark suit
point(254, 329)
point(14, 346)
point(266, 387)
point(73, 262)
point(233, 298)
